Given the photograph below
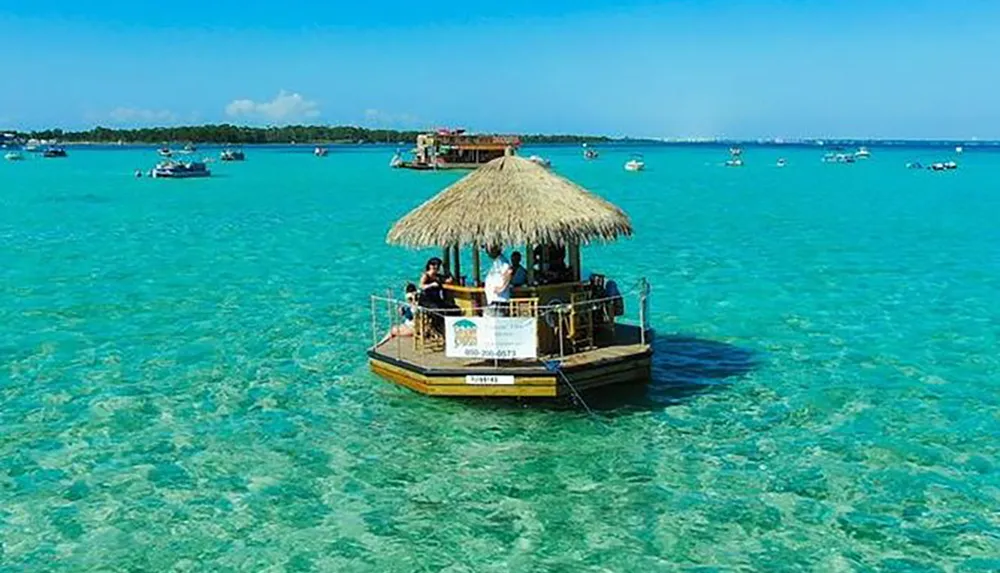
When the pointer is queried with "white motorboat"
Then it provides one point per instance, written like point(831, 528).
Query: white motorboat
point(636, 163)
point(13, 156)
point(781, 162)
point(539, 160)
point(862, 153)
point(958, 149)
point(320, 152)
point(232, 155)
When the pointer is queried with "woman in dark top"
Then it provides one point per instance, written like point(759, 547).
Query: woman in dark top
point(432, 293)
point(431, 281)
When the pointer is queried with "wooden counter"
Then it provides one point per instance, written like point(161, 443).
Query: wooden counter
point(471, 300)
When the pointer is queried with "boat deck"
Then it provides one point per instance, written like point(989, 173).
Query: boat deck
point(623, 359)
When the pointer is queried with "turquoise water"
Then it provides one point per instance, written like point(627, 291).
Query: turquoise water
point(184, 385)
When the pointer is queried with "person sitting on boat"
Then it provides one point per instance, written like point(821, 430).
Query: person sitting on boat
point(497, 284)
point(408, 312)
point(519, 276)
point(555, 271)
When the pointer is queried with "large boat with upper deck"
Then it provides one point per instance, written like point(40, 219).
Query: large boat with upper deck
point(561, 331)
point(456, 149)
point(171, 169)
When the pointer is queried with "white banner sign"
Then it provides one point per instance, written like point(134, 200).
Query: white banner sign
point(490, 337)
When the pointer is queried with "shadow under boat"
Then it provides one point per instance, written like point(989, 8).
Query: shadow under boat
point(683, 367)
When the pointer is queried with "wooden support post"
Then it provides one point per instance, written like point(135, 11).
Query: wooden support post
point(447, 261)
point(475, 263)
point(530, 264)
point(458, 263)
point(574, 253)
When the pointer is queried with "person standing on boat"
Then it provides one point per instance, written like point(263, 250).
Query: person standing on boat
point(497, 285)
point(431, 281)
point(432, 294)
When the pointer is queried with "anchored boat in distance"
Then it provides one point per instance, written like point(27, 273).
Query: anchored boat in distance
point(635, 163)
point(455, 149)
point(171, 169)
point(54, 151)
point(232, 155)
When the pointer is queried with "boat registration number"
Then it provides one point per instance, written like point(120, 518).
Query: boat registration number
point(481, 380)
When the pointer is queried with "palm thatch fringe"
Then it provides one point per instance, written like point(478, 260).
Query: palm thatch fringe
point(511, 201)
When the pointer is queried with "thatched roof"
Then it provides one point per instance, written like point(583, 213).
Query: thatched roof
point(511, 201)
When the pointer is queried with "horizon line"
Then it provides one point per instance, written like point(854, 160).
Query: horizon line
point(817, 139)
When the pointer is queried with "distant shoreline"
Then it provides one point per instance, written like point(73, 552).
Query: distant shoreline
point(826, 144)
point(226, 134)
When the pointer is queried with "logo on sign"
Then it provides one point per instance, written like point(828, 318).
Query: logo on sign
point(465, 332)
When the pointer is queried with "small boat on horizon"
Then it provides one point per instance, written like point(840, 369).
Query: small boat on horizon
point(165, 152)
point(862, 153)
point(781, 162)
point(189, 149)
point(171, 169)
point(943, 166)
point(14, 156)
point(232, 155)
point(958, 149)
point(589, 152)
point(54, 151)
point(839, 158)
point(735, 157)
point(320, 151)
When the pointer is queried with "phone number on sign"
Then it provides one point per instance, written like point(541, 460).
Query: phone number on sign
point(488, 353)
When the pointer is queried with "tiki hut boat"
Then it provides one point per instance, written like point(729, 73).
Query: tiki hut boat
point(560, 333)
point(455, 149)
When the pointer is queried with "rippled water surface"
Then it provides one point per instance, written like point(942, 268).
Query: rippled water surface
point(184, 387)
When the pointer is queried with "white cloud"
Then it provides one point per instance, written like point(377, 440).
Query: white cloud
point(136, 115)
point(284, 107)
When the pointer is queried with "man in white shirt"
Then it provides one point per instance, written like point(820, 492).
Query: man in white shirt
point(497, 284)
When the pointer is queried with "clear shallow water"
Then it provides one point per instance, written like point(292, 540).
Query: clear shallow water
point(183, 383)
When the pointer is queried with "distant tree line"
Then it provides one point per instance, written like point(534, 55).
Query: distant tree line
point(234, 134)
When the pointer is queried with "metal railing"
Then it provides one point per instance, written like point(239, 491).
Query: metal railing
point(389, 326)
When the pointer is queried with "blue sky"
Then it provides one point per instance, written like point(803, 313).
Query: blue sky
point(769, 68)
